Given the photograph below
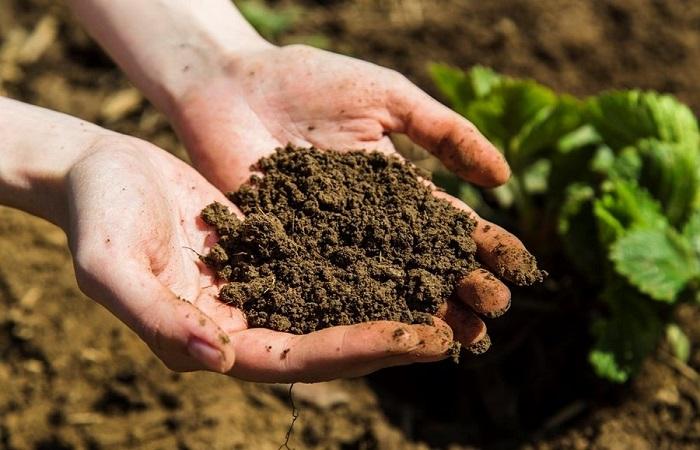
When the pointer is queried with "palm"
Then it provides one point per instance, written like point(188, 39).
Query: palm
point(304, 96)
point(137, 256)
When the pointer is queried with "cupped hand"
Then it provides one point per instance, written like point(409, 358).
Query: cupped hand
point(273, 96)
point(135, 233)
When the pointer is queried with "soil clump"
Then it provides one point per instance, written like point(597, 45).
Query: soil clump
point(335, 238)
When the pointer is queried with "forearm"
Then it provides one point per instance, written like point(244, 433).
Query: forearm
point(168, 47)
point(37, 149)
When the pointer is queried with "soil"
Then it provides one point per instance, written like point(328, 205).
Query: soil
point(73, 377)
point(334, 238)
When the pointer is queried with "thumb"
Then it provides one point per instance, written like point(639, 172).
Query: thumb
point(447, 135)
point(179, 333)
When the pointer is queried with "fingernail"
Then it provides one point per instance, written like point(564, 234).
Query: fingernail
point(477, 348)
point(211, 357)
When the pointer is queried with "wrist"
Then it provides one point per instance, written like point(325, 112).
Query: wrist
point(39, 147)
point(200, 68)
point(169, 48)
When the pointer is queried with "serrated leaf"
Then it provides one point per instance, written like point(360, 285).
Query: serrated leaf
point(622, 118)
point(678, 341)
point(546, 128)
point(622, 206)
point(659, 262)
point(630, 205)
point(507, 110)
point(625, 337)
point(670, 173)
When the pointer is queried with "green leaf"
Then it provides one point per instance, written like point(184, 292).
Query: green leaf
point(624, 205)
point(670, 173)
point(626, 165)
point(630, 205)
point(679, 342)
point(659, 262)
point(583, 136)
point(521, 117)
point(487, 115)
point(626, 337)
point(691, 231)
point(483, 80)
point(577, 229)
point(459, 87)
point(524, 101)
point(622, 118)
point(609, 227)
point(569, 167)
point(535, 176)
point(605, 364)
point(547, 127)
point(269, 22)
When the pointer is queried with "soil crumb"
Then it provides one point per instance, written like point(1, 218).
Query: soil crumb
point(336, 238)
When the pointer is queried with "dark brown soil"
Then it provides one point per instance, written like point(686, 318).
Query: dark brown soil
point(335, 238)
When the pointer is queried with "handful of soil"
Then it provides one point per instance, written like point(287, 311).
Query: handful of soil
point(335, 238)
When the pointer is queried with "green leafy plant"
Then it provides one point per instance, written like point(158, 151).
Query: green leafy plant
point(270, 23)
point(617, 175)
point(277, 23)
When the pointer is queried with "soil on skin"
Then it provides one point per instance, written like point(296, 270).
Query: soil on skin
point(335, 238)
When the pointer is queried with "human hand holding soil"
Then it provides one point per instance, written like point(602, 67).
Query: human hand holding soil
point(234, 98)
point(131, 214)
point(306, 96)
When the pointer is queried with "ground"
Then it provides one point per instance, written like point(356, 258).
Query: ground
point(73, 377)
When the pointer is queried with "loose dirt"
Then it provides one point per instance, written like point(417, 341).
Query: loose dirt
point(335, 238)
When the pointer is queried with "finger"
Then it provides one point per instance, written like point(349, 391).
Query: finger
point(228, 318)
point(467, 327)
point(484, 293)
point(179, 333)
point(446, 134)
point(501, 251)
point(344, 351)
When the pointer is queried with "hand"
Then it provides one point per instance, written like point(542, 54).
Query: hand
point(234, 97)
point(135, 232)
point(300, 95)
point(272, 96)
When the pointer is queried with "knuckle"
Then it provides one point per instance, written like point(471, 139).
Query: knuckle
point(398, 78)
point(85, 273)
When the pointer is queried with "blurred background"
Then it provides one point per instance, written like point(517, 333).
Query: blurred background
point(73, 377)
